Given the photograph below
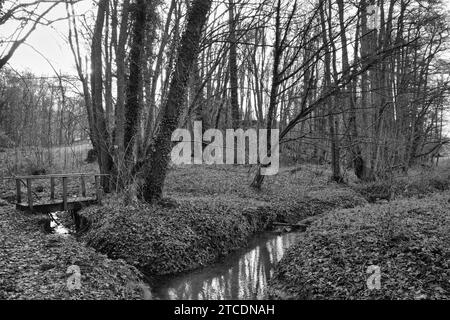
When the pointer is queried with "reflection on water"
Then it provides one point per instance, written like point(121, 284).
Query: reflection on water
point(56, 226)
point(242, 275)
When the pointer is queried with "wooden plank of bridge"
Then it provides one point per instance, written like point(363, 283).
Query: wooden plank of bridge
point(29, 194)
point(64, 181)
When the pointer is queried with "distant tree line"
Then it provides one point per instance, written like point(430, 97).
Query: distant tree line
point(38, 111)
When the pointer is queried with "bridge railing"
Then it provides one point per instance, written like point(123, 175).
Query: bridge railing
point(27, 181)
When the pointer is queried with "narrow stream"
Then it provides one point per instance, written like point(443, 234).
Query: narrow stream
point(241, 275)
point(57, 226)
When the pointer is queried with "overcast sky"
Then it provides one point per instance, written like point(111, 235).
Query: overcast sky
point(50, 42)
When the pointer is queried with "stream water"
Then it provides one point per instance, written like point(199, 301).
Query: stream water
point(241, 275)
point(57, 226)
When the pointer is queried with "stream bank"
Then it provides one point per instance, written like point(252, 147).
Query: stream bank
point(204, 224)
point(34, 264)
point(408, 239)
point(196, 231)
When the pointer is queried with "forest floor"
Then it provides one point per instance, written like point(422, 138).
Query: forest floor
point(34, 264)
point(408, 239)
point(209, 212)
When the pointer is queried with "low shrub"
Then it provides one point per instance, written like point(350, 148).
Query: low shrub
point(414, 185)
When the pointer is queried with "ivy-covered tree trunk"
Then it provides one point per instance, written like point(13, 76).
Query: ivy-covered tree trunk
point(135, 80)
point(154, 172)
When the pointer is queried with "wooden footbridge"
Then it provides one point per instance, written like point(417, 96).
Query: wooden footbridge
point(53, 205)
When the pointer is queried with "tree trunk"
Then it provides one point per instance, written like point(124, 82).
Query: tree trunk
point(105, 160)
point(271, 113)
point(330, 61)
point(350, 95)
point(155, 171)
point(156, 73)
point(362, 170)
point(234, 102)
point(135, 81)
point(120, 102)
point(108, 78)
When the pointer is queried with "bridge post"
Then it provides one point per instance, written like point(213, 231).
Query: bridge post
point(18, 191)
point(98, 190)
point(30, 195)
point(64, 181)
point(52, 188)
point(83, 186)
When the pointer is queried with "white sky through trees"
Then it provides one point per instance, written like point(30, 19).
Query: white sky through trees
point(49, 41)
